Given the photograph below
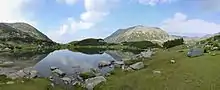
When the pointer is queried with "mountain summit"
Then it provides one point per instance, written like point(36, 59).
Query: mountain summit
point(138, 33)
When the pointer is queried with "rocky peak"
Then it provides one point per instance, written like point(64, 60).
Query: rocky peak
point(138, 33)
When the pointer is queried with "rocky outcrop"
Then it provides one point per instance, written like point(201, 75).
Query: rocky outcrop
point(29, 72)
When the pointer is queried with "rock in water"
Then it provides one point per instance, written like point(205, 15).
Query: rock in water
point(104, 63)
point(59, 72)
point(53, 68)
point(92, 82)
point(137, 66)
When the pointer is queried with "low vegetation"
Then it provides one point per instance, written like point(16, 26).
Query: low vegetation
point(173, 43)
point(141, 44)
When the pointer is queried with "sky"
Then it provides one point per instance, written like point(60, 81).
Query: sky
point(68, 20)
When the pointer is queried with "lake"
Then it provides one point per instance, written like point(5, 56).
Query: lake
point(68, 61)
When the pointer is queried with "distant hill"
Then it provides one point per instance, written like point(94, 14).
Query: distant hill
point(89, 42)
point(18, 34)
point(139, 33)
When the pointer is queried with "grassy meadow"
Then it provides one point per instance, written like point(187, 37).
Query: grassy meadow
point(198, 73)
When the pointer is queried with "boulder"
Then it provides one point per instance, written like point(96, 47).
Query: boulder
point(137, 66)
point(119, 62)
point(10, 82)
point(156, 72)
point(53, 68)
point(8, 63)
point(104, 63)
point(26, 72)
point(172, 61)
point(59, 72)
point(147, 54)
point(195, 52)
point(92, 82)
point(66, 80)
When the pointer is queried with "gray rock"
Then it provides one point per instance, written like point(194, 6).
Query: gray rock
point(92, 82)
point(137, 66)
point(10, 82)
point(53, 68)
point(172, 61)
point(104, 63)
point(156, 72)
point(66, 80)
point(147, 54)
point(119, 62)
point(195, 52)
point(8, 63)
point(26, 72)
point(59, 72)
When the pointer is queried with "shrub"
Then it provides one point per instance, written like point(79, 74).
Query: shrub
point(173, 43)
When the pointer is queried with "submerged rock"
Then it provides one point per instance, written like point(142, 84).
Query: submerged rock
point(137, 66)
point(92, 82)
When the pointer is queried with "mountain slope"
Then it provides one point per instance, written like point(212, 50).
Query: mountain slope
point(138, 33)
point(17, 34)
point(33, 32)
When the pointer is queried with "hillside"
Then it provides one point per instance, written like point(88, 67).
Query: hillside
point(21, 34)
point(32, 31)
point(138, 33)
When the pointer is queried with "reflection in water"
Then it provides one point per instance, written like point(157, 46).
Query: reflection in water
point(22, 60)
point(66, 60)
point(120, 55)
point(19, 61)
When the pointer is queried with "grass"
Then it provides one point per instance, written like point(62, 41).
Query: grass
point(199, 73)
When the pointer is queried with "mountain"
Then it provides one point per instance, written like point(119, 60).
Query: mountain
point(139, 33)
point(28, 29)
point(17, 34)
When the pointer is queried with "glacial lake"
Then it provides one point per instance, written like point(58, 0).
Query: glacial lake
point(66, 60)
point(70, 62)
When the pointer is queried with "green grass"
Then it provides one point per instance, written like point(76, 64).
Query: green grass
point(199, 73)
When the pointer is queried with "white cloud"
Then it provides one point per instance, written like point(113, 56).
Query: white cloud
point(154, 2)
point(12, 11)
point(180, 23)
point(69, 2)
point(95, 12)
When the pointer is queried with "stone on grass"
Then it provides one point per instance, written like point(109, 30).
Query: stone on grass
point(137, 66)
point(172, 61)
point(66, 80)
point(92, 82)
point(10, 82)
point(156, 72)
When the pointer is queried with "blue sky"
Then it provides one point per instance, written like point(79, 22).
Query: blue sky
point(67, 20)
